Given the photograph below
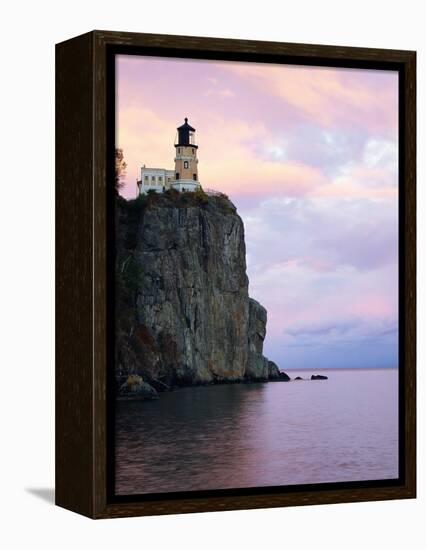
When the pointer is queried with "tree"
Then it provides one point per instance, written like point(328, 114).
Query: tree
point(120, 169)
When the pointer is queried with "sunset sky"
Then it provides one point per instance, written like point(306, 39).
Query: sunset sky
point(309, 157)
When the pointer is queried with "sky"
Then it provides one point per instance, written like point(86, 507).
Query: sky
point(309, 155)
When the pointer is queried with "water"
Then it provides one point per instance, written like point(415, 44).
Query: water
point(232, 436)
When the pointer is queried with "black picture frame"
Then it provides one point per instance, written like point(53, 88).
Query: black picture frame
point(85, 141)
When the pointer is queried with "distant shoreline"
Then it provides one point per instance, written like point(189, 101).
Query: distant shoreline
point(289, 370)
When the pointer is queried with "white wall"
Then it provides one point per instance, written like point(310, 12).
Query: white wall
point(29, 31)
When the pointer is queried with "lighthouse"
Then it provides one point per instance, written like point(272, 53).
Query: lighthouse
point(186, 162)
point(184, 177)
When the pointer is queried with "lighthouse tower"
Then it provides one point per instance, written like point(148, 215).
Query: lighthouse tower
point(186, 162)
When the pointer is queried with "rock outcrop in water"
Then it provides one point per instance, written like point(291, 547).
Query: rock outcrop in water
point(183, 313)
point(135, 387)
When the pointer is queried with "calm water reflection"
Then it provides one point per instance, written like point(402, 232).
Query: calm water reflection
point(231, 436)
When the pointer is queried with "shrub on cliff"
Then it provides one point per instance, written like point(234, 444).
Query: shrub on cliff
point(173, 198)
point(200, 196)
point(133, 205)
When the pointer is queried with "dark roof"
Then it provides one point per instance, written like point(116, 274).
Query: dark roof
point(186, 126)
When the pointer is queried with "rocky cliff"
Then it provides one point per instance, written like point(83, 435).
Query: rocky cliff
point(183, 314)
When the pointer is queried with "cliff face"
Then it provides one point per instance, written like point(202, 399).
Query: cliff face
point(183, 314)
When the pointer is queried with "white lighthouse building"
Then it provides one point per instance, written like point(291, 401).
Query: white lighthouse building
point(184, 177)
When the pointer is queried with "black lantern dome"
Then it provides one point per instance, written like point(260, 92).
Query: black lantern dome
point(186, 136)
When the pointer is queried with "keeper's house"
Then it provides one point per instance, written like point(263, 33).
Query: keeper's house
point(184, 177)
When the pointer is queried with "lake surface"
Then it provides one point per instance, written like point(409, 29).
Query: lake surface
point(252, 435)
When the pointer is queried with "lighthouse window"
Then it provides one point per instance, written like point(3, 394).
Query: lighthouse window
point(185, 164)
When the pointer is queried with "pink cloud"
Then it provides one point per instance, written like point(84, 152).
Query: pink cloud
point(328, 96)
point(350, 190)
point(147, 117)
point(372, 305)
point(225, 167)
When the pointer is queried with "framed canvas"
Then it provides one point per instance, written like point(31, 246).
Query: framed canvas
point(235, 281)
